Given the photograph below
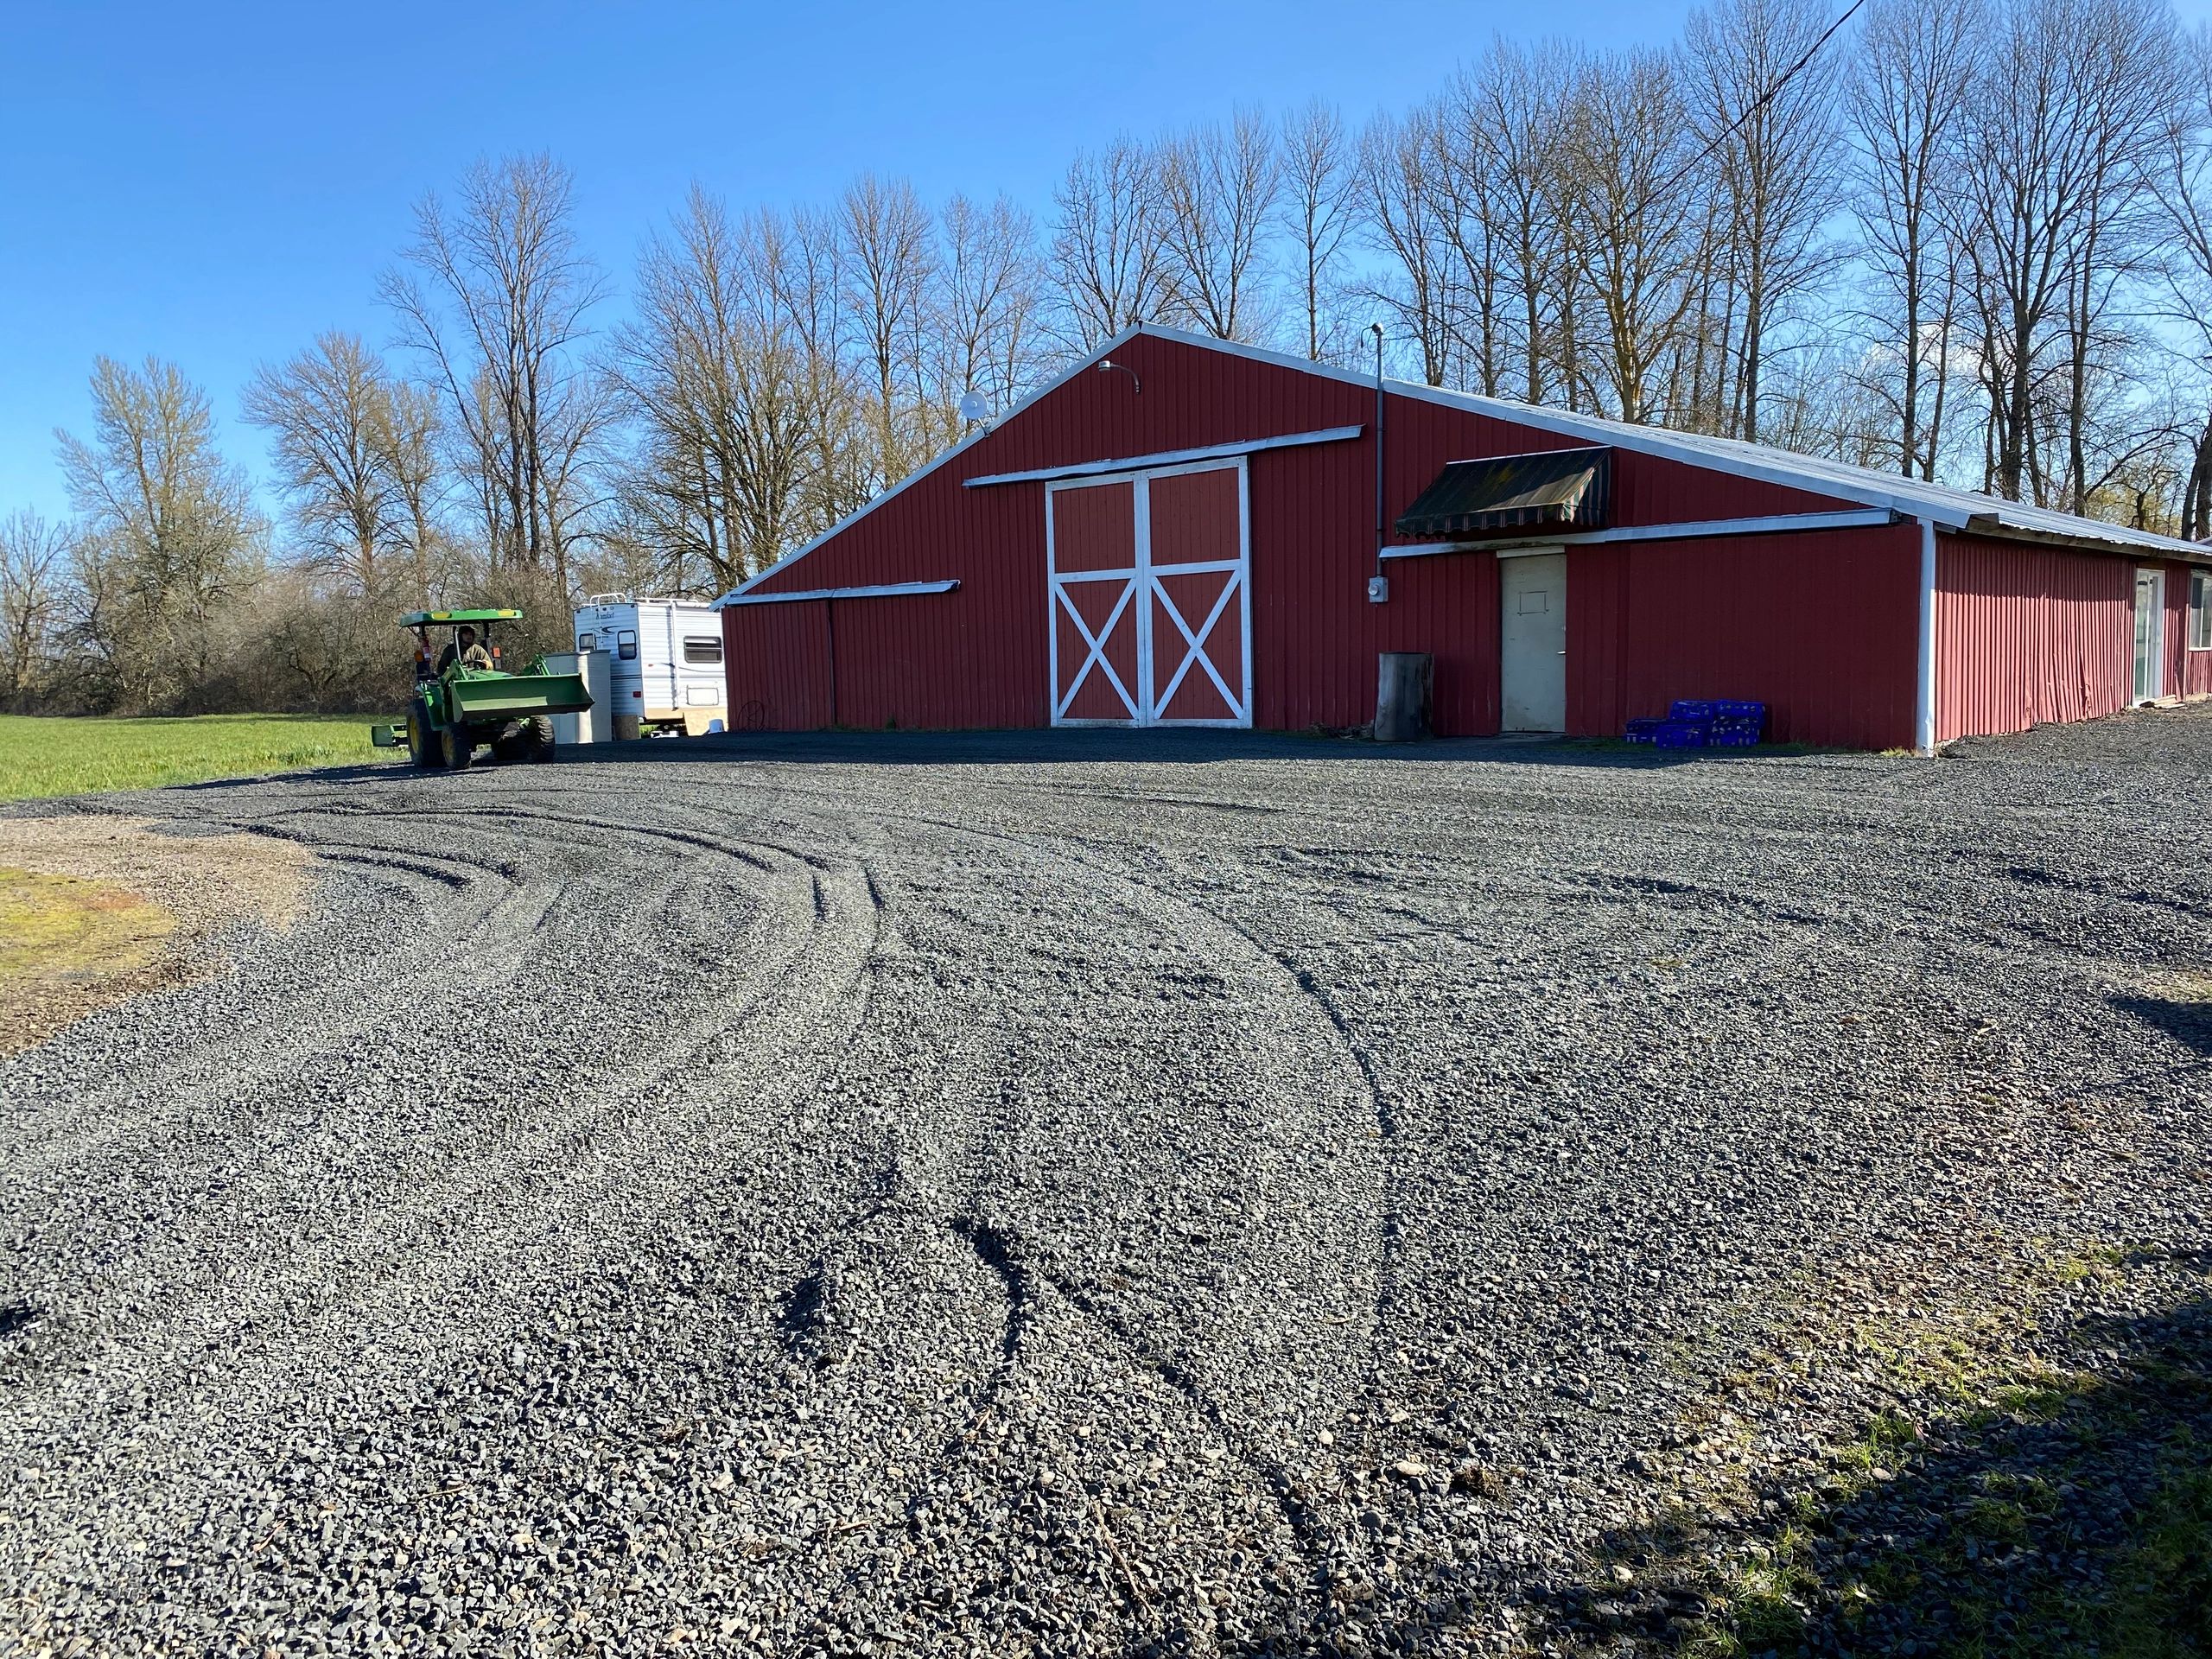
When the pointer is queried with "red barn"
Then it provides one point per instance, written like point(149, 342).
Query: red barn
point(1184, 531)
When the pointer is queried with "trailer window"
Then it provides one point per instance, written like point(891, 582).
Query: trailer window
point(2200, 610)
point(626, 645)
point(586, 642)
point(702, 650)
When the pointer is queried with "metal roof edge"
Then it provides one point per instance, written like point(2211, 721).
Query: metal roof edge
point(1947, 508)
point(2118, 539)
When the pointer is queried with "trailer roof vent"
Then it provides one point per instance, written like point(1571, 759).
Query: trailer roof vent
point(1553, 489)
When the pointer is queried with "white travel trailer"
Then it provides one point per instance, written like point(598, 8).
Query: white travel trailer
point(666, 655)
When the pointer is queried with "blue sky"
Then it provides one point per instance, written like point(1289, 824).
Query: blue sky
point(217, 183)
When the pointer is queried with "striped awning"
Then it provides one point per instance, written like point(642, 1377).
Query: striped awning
point(1555, 489)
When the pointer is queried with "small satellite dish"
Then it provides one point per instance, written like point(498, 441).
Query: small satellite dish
point(974, 406)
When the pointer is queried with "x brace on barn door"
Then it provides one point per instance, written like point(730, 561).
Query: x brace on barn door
point(1150, 597)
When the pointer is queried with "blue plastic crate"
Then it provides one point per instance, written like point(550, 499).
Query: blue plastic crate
point(1643, 731)
point(1732, 736)
point(1733, 708)
point(1685, 709)
point(1682, 734)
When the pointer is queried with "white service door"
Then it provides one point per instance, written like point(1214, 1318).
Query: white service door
point(2149, 635)
point(1532, 642)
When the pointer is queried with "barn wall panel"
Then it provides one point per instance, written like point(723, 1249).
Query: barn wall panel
point(2026, 635)
point(2188, 673)
point(1596, 640)
point(777, 657)
point(1823, 628)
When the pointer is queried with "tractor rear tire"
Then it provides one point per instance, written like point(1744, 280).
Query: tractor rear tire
point(459, 748)
point(423, 746)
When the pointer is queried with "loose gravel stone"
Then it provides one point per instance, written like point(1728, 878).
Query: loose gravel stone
point(1070, 1193)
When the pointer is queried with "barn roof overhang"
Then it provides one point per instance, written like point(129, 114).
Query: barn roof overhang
point(1701, 529)
point(1496, 495)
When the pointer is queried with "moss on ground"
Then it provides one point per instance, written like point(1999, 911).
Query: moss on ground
point(64, 927)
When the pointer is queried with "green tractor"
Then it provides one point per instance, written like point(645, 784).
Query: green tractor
point(466, 700)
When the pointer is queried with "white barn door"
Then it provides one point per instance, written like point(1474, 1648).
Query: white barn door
point(1149, 587)
point(1532, 642)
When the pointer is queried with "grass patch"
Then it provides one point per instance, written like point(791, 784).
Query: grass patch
point(42, 756)
point(2047, 1512)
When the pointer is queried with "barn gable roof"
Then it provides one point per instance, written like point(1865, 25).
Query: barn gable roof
point(1947, 508)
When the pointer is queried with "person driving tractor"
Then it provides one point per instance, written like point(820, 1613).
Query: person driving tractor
point(467, 651)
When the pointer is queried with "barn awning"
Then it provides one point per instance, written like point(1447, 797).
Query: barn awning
point(1555, 489)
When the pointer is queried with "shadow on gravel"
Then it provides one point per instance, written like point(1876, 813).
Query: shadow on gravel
point(2186, 1021)
point(1196, 747)
point(2062, 1513)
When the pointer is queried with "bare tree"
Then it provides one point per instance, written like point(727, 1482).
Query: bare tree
point(2127, 95)
point(1473, 217)
point(2183, 183)
point(34, 568)
point(1906, 99)
point(889, 264)
point(171, 536)
point(1629, 168)
point(328, 412)
point(1509, 112)
point(985, 307)
point(498, 306)
point(2057, 113)
point(729, 371)
point(1217, 188)
point(408, 441)
point(1107, 242)
point(1763, 103)
point(1398, 162)
point(1320, 200)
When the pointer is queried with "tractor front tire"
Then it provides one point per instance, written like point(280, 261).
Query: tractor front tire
point(423, 746)
point(526, 739)
point(459, 748)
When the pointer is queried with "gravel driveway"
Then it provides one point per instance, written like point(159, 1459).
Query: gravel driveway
point(1086, 1193)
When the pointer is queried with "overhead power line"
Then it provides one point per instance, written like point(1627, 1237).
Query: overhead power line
point(1750, 110)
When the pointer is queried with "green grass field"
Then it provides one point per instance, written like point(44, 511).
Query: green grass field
point(40, 757)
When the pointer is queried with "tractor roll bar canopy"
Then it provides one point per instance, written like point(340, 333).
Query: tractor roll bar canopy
point(437, 618)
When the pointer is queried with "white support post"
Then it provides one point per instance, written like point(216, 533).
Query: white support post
point(1924, 714)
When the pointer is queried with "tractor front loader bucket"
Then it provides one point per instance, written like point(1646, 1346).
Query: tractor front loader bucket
point(515, 697)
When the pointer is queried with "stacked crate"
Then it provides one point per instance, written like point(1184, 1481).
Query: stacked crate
point(1721, 722)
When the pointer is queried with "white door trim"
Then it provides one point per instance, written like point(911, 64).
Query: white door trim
point(2155, 657)
point(1143, 587)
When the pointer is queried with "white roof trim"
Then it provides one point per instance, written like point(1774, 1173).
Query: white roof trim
point(881, 590)
point(1168, 458)
point(1856, 518)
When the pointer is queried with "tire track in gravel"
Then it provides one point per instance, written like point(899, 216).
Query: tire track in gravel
point(1022, 1265)
point(623, 1167)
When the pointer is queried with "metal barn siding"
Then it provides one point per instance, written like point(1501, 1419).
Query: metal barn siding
point(978, 657)
point(2188, 673)
point(2026, 635)
point(1823, 627)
